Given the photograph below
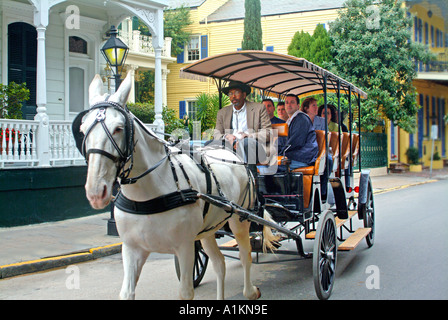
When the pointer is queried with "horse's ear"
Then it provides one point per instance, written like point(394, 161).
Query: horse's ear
point(95, 89)
point(121, 95)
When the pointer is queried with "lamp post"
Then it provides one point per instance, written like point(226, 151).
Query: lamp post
point(115, 52)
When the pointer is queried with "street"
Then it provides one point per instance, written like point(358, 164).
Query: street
point(408, 261)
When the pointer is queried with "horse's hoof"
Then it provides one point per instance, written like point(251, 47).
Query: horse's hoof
point(258, 294)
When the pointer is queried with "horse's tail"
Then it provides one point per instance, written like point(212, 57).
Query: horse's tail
point(270, 240)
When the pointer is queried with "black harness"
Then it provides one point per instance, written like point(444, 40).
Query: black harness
point(160, 204)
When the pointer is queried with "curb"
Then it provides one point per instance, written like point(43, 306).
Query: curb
point(20, 268)
point(403, 186)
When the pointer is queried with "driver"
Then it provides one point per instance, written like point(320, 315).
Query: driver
point(244, 125)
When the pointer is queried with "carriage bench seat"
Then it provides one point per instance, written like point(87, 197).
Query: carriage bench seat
point(311, 171)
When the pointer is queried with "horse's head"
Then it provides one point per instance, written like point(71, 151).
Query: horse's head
point(105, 139)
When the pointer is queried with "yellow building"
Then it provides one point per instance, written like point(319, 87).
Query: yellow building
point(430, 28)
point(218, 27)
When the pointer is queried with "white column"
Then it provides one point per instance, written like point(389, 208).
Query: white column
point(132, 68)
point(43, 135)
point(158, 43)
point(164, 90)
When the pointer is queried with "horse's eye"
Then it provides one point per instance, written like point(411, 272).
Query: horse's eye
point(118, 130)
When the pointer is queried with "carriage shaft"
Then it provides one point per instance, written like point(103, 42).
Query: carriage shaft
point(246, 214)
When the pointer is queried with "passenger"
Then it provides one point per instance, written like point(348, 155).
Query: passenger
point(269, 104)
point(309, 106)
point(343, 126)
point(242, 125)
point(281, 111)
point(331, 116)
point(270, 108)
point(301, 146)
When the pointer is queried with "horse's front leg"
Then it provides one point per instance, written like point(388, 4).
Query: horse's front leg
point(241, 232)
point(133, 261)
point(185, 255)
point(211, 248)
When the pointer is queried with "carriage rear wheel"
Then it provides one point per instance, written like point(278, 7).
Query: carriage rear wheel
point(200, 264)
point(324, 256)
point(368, 211)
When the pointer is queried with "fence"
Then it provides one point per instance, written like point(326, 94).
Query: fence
point(19, 144)
point(373, 150)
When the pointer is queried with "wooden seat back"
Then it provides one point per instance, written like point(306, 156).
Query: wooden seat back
point(334, 145)
point(355, 147)
point(345, 150)
point(317, 169)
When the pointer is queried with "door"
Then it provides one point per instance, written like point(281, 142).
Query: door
point(22, 62)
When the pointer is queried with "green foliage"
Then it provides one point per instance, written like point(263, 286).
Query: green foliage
point(207, 109)
point(436, 156)
point(145, 87)
point(174, 23)
point(412, 154)
point(372, 49)
point(11, 98)
point(315, 48)
point(252, 38)
point(145, 112)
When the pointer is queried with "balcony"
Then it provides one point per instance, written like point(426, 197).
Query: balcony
point(141, 44)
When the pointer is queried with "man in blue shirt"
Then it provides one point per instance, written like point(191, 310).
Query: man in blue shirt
point(301, 147)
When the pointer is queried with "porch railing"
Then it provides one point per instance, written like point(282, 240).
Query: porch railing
point(19, 147)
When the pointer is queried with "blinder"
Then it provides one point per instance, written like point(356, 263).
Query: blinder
point(80, 137)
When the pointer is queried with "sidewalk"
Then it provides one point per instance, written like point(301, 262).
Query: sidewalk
point(50, 245)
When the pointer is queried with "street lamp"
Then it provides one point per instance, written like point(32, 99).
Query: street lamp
point(115, 52)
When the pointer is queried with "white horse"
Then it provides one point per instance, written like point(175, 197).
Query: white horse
point(173, 231)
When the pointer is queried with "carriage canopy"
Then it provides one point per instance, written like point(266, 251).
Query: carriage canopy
point(271, 72)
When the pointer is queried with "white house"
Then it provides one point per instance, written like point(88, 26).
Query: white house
point(54, 46)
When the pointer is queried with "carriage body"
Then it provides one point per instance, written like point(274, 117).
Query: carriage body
point(293, 198)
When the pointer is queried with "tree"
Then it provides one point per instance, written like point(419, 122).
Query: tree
point(11, 98)
point(174, 23)
point(252, 26)
point(374, 51)
point(315, 48)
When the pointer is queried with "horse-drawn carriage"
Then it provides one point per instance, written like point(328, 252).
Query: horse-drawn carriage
point(294, 197)
point(193, 194)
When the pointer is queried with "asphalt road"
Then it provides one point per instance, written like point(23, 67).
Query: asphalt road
point(409, 260)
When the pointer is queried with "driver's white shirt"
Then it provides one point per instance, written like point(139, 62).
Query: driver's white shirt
point(239, 121)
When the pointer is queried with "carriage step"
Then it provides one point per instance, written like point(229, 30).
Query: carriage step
point(339, 223)
point(311, 235)
point(353, 241)
point(229, 244)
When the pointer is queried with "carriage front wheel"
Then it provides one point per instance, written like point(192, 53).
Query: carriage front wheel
point(200, 264)
point(324, 256)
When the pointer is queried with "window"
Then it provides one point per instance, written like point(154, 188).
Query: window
point(22, 62)
point(188, 108)
point(192, 110)
point(193, 49)
point(77, 45)
point(76, 102)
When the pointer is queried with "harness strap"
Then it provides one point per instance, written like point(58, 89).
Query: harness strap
point(160, 204)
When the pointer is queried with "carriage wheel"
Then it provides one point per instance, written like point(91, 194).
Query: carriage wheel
point(369, 216)
point(324, 256)
point(200, 264)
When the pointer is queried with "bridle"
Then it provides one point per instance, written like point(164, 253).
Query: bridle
point(125, 155)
